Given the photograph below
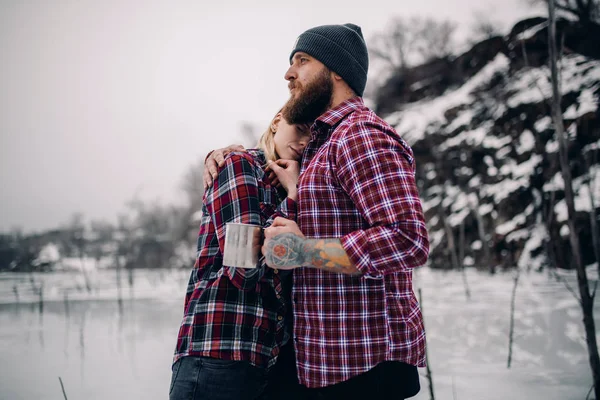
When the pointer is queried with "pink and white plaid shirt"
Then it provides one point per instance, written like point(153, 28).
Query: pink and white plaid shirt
point(357, 183)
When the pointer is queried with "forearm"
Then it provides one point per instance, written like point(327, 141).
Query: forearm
point(287, 250)
point(328, 255)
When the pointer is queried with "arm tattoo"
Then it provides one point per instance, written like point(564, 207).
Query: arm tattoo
point(329, 255)
point(285, 250)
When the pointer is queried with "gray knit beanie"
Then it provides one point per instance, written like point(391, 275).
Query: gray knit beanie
point(341, 48)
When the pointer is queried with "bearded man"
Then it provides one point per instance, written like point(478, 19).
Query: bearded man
point(358, 329)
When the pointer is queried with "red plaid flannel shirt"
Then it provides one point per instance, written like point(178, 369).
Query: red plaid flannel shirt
point(235, 313)
point(357, 183)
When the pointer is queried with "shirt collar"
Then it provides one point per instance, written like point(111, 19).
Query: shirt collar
point(335, 115)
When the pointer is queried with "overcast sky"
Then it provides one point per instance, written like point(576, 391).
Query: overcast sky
point(102, 100)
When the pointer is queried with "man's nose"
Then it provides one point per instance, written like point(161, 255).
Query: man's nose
point(290, 73)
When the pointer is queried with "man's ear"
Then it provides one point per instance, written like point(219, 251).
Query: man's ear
point(336, 76)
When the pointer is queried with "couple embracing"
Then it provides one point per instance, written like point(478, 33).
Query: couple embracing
point(329, 311)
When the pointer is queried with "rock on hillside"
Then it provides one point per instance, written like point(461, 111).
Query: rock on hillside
point(487, 155)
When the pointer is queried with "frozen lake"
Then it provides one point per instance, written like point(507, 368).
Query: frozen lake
point(113, 341)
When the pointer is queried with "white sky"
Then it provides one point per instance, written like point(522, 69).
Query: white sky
point(100, 100)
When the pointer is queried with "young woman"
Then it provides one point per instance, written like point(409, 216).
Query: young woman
point(237, 321)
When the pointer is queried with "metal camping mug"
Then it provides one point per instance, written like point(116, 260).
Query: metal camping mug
point(243, 243)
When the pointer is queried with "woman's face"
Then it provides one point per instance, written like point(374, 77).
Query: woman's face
point(290, 140)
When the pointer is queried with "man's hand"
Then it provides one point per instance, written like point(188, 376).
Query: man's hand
point(216, 159)
point(287, 172)
point(284, 245)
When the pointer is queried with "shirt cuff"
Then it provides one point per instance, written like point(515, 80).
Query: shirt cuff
point(356, 245)
point(288, 208)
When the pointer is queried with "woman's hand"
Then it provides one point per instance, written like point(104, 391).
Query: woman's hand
point(287, 172)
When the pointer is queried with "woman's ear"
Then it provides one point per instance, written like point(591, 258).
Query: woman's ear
point(275, 123)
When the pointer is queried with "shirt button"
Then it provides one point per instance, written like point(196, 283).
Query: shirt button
point(279, 318)
point(278, 295)
point(275, 271)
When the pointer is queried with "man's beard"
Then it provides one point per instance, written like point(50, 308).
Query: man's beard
point(314, 99)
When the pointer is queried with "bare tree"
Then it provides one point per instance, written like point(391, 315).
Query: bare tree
point(511, 331)
point(585, 11)
point(394, 45)
point(586, 298)
point(590, 178)
point(435, 39)
point(407, 42)
point(192, 185)
point(77, 238)
point(484, 26)
point(428, 368)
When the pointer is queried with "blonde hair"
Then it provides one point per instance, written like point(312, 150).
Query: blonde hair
point(266, 142)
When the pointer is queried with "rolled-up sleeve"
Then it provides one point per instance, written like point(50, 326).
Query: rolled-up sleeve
point(234, 197)
point(377, 172)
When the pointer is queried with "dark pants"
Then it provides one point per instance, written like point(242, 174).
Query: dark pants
point(283, 378)
point(196, 378)
point(388, 380)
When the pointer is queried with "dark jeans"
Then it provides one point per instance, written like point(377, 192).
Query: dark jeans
point(196, 378)
point(388, 380)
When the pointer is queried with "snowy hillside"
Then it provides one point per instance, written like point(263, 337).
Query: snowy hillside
point(487, 154)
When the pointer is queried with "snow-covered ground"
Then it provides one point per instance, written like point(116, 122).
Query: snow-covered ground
point(103, 348)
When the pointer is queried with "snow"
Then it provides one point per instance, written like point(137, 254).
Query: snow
point(470, 138)
point(590, 147)
point(495, 142)
point(413, 120)
point(511, 225)
point(517, 235)
point(108, 347)
point(435, 238)
point(537, 236)
point(430, 203)
point(552, 146)
point(503, 152)
point(463, 119)
point(434, 220)
point(48, 254)
point(485, 209)
point(554, 184)
point(529, 33)
point(457, 218)
point(582, 193)
point(526, 142)
point(577, 72)
point(542, 124)
point(520, 178)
